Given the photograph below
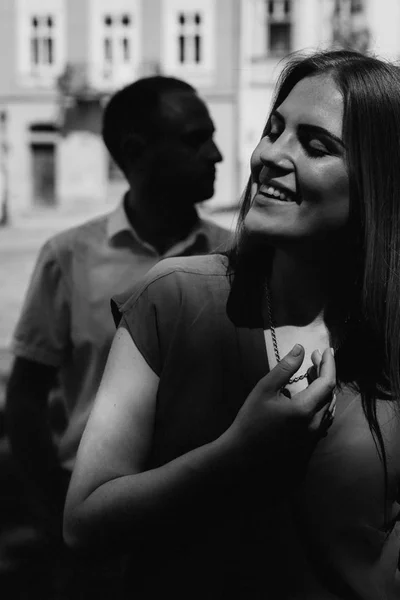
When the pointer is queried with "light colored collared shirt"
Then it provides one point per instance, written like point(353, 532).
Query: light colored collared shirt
point(66, 320)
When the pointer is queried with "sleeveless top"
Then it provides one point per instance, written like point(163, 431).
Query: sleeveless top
point(322, 539)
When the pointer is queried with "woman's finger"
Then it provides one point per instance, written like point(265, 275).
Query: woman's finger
point(316, 358)
point(319, 393)
point(323, 420)
point(313, 372)
point(280, 375)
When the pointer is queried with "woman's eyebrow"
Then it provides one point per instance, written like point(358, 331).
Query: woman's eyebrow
point(323, 131)
point(312, 129)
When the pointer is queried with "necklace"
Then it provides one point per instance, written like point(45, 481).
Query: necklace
point(275, 343)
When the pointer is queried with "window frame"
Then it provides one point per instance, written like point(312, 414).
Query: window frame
point(284, 20)
point(203, 34)
point(106, 74)
point(39, 72)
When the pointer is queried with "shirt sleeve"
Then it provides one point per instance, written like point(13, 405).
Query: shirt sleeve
point(149, 311)
point(157, 310)
point(43, 330)
point(141, 322)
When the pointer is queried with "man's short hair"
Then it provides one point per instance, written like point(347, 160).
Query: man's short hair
point(136, 110)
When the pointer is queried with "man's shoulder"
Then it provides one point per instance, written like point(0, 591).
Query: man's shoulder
point(177, 276)
point(83, 232)
point(216, 234)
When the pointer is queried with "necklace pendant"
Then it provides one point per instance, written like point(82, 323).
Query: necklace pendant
point(286, 392)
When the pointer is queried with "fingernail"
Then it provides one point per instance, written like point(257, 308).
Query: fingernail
point(319, 351)
point(333, 403)
point(332, 351)
point(296, 350)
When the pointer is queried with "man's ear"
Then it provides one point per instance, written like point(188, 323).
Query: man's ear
point(132, 148)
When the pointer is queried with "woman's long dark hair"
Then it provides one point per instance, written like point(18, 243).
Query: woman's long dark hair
point(364, 316)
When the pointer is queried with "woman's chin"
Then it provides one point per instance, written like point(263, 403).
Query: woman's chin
point(258, 226)
point(262, 231)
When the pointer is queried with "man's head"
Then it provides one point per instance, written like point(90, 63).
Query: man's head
point(160, 134)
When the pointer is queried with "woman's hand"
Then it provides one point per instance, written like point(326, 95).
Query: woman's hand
point(324, 418)
point(270, 424)
point(114, 498)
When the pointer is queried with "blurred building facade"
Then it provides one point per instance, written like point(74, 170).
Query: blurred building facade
point(61, 59)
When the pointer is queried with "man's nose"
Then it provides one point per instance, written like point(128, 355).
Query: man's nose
point(214, 154)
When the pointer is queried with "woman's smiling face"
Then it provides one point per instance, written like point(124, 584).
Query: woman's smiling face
point(300, 188)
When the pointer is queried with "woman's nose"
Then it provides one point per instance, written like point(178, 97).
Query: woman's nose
point(277, 152)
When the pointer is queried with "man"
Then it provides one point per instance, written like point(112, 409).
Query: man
point(160, 134)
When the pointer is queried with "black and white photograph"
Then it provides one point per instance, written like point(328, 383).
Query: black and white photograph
point(200, 299)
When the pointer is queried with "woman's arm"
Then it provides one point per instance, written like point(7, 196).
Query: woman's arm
point(110, 495)
point(112, 498)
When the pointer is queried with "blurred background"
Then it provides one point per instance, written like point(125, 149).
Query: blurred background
point(61, 59)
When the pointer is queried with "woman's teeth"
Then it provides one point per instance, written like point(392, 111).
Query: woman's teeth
point(271, 191)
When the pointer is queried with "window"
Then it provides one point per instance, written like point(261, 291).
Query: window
point(115, 41)
point(350, 29)
point(43, 170)
point(271, 29)
point(41, 40)
point(189, 39)
point(279, 27)
point(356, 6)
point(43, 144)
point(348, 8)
point(117, 45)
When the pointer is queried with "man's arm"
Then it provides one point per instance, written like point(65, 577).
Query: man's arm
point(29, 432)
point(41, 342)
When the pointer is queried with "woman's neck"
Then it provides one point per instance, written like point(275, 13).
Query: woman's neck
point(298, 290)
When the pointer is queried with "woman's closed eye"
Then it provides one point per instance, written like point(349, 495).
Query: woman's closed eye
point(315, 147)
point(319, 144)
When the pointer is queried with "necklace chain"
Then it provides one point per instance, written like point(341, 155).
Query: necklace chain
point(274, 341)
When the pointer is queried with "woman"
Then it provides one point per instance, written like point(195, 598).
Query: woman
point(203, 454)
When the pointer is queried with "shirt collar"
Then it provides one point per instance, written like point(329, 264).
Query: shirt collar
point(118, 223)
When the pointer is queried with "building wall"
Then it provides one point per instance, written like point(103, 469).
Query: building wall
point(152, 36)
point(219, 94)
point(82, 163)
point(21, 116)
point(227, 48)
point(383, 20)
point(7, 48)
point(24, 106)
point(27, 82)
point(237, 89)
point(311, 30)
point(78, 17)
point(222, 100)
point(11, 83)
